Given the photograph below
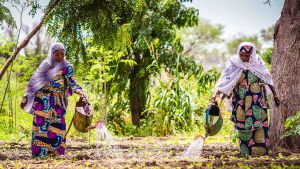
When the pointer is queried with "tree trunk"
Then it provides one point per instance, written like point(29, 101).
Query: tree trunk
point(286, 73)
point(138, 88)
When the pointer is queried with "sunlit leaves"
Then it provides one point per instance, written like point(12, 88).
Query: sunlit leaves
point(129, 62)
point(172, 111)
point(6, 47)
point(267, 57)
point(130, 40)
point(5, 15)
point(292, 125)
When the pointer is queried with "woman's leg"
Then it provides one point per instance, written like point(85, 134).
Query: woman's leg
point(253, 142)
point(57, 133)
point(39, 146)
point(245, 140)
point(48, 137)
point(260, 139)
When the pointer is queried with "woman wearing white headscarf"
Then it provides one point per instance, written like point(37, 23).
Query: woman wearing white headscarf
point(245, 79)
point(46, 99)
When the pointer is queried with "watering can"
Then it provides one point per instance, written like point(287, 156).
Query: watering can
point(83, 116)
point(213, 120)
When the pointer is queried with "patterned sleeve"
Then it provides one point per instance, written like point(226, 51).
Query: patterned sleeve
point(69, 75)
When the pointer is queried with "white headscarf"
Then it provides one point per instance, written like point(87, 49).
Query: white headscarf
point(233, 71)
point(48, 69)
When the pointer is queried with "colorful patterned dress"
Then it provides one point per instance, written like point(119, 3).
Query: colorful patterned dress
point(50, 105)
point(250, 114)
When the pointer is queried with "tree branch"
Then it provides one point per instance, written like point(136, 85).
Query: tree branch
point(191, 47)
point(26, 40)
point(268, 2)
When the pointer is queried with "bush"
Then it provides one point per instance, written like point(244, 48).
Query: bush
point(292, 125)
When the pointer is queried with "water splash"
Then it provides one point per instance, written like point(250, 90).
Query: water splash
point(104, 140)
point(195, 148)
point(102, 133)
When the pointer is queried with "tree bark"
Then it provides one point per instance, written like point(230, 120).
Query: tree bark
point(27, 39)
point(137, 91)
point(286, 73)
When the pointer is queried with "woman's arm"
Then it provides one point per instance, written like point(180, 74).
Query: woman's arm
point(276, 99)
point(80, 92)
point(24, 102)
point(71, 82)
point(213, 98)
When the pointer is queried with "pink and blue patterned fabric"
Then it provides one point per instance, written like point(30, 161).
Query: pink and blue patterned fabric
point(50, 105)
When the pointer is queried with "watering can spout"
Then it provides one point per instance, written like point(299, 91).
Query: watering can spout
point(200, 136)
point(99, 124)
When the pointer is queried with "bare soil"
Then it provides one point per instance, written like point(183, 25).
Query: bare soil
point(148, 152)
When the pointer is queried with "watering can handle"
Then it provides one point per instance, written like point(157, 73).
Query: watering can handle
point(84, 99)
point(87, 104)
point(206, 116)
point(70, 126)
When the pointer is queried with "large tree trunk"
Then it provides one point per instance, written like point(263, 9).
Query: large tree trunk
point(286, 73)
point(137, 91)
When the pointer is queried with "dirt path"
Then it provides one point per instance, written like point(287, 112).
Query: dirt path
point(142, 153)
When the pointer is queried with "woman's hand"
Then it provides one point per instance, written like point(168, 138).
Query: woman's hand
point(24, 102)
point(81, 93)
point(213, 99)
point(277, 101)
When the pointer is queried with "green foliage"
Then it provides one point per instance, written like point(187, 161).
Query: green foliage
point(118, 115)
point(234, 136)
point(5, 15)
point(126, 29)
point(207, 79)
point(127, 45)
point(292, 125)
point(24, 66)
point(176, 107)
point(173, 110)
point(74, 20)
point(13, 126)
point(6, 47)
point(267, 57)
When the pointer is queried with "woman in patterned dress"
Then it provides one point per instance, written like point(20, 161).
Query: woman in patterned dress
point(245, 80)
point(46, 99)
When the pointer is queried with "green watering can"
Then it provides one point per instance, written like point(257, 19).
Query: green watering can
point(213, 119)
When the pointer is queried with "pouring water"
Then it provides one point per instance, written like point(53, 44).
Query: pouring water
point(195, 148)
point(102, 132)
point(104, 139)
